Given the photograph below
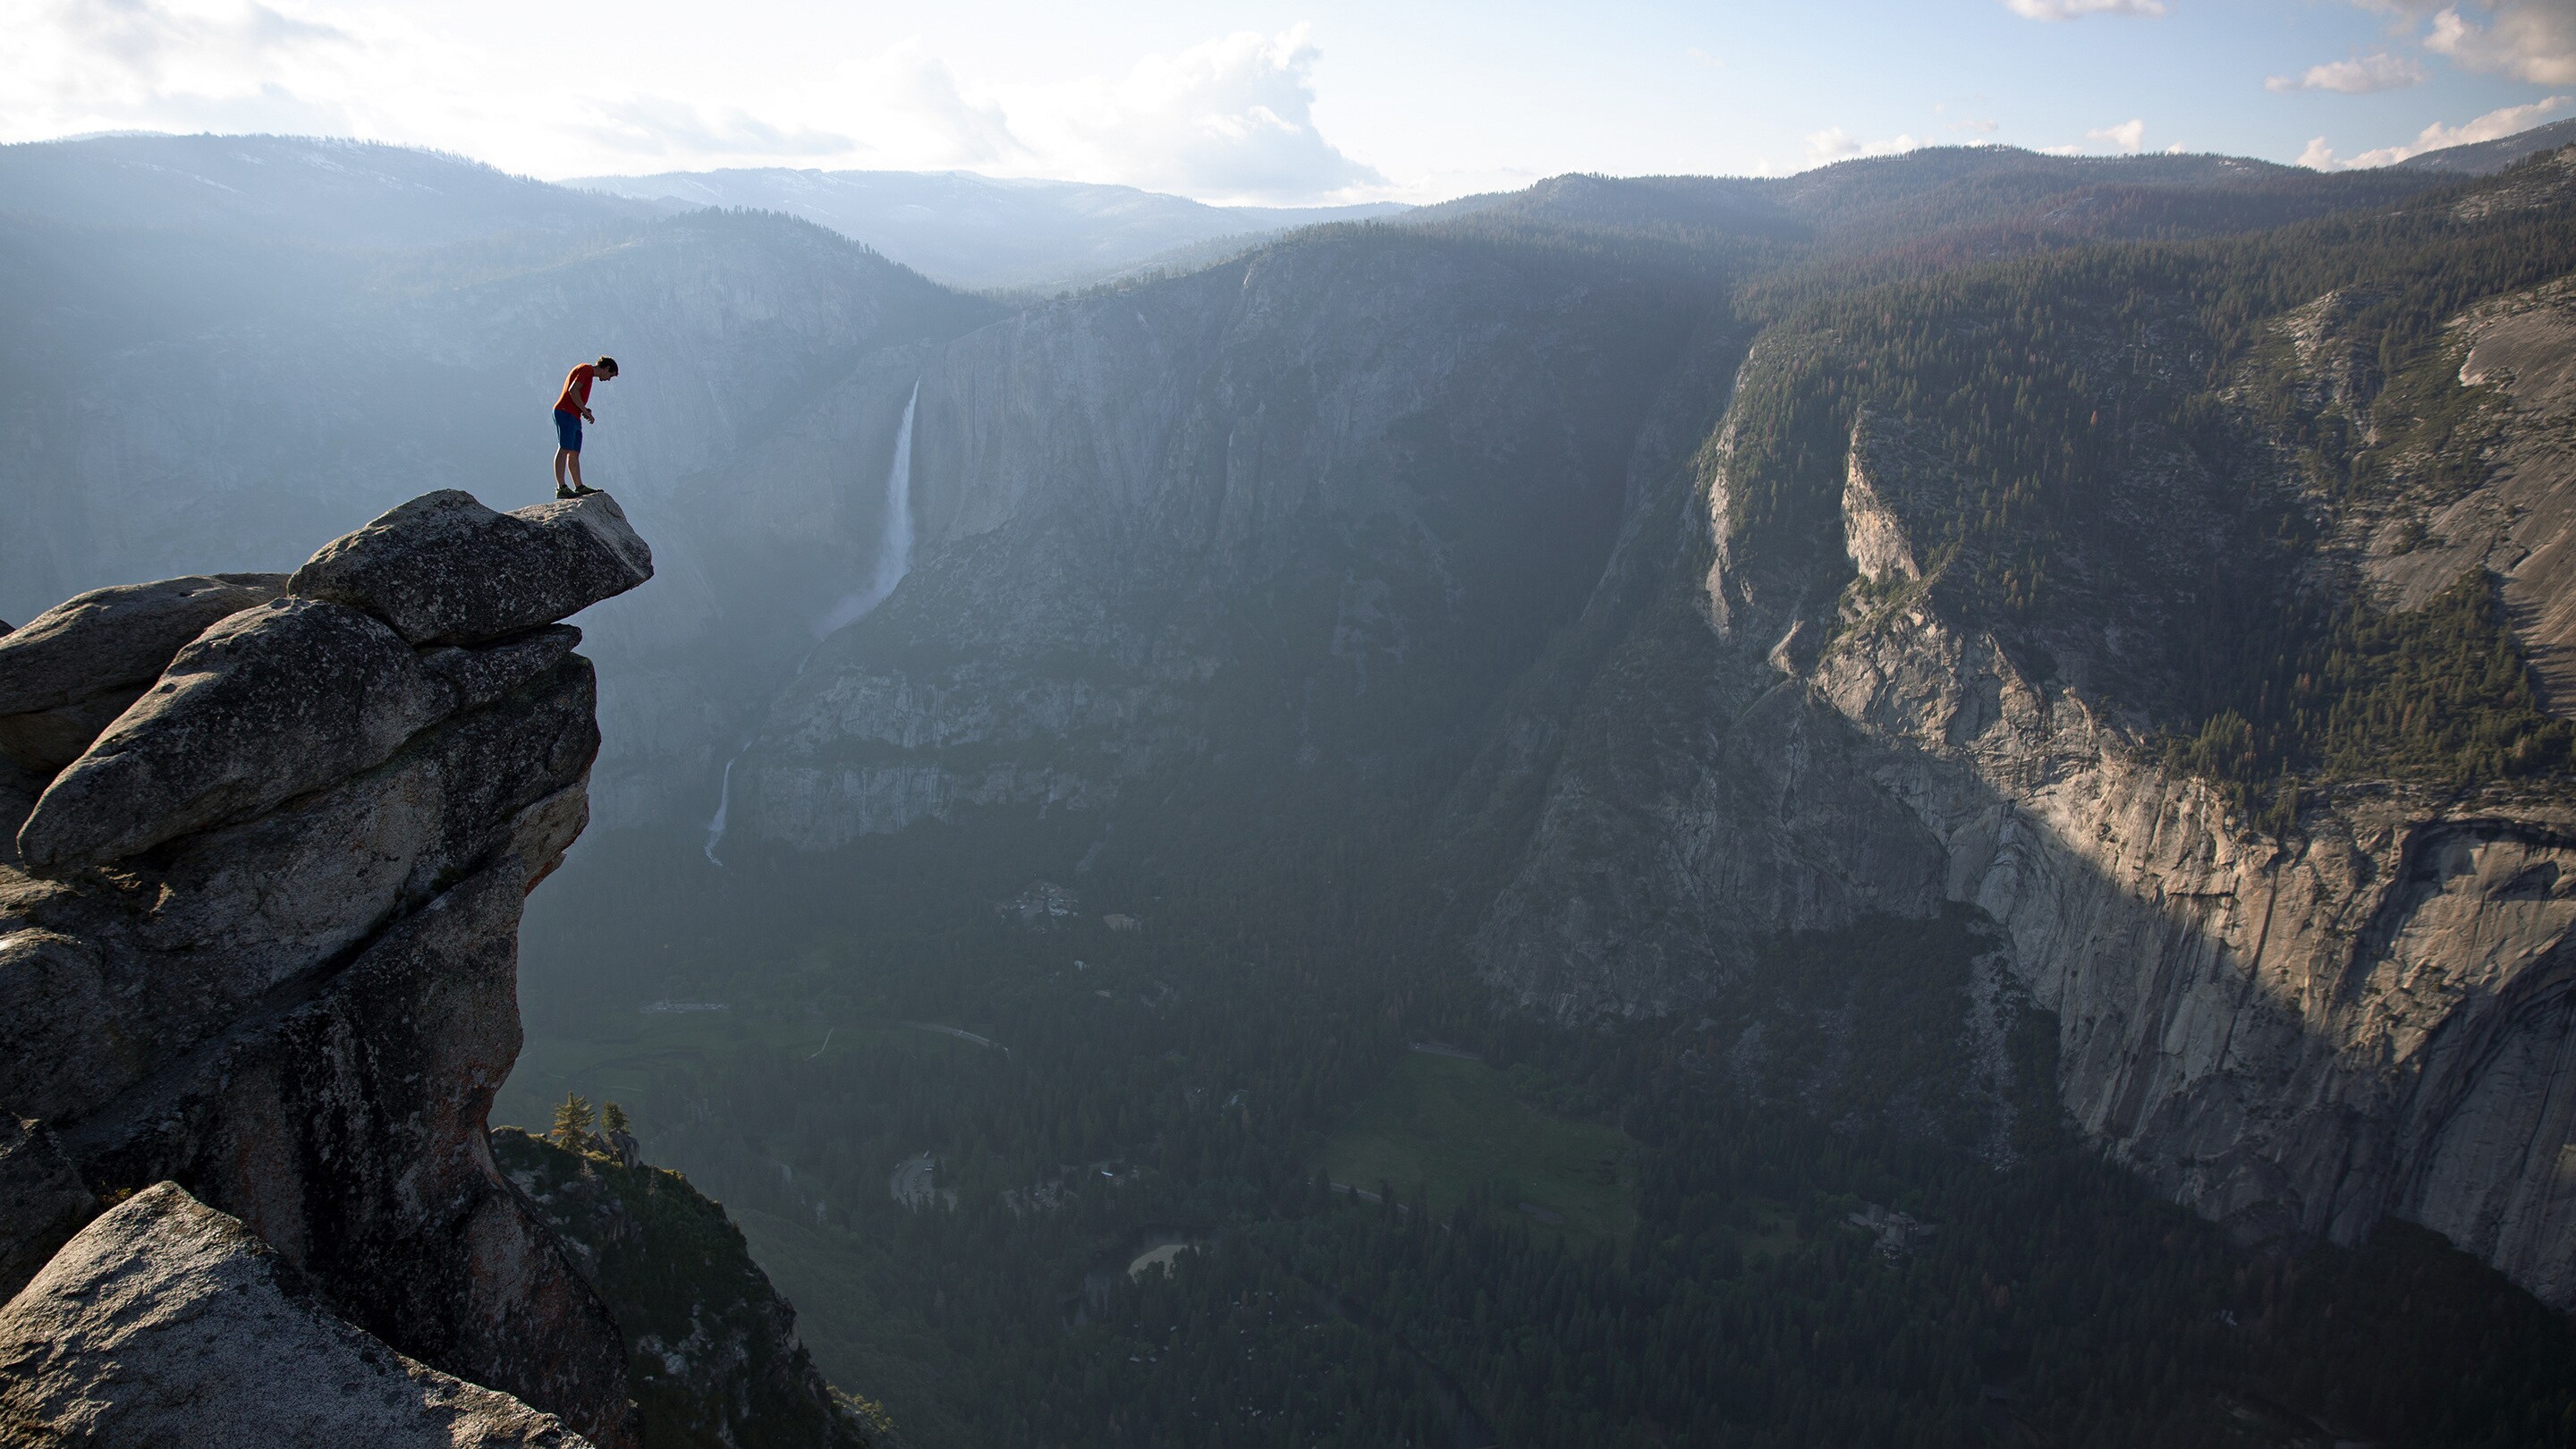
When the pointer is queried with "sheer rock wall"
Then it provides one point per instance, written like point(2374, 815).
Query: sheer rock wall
point(2294, 1031)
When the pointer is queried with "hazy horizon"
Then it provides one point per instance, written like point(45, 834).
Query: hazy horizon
point(1310, 105)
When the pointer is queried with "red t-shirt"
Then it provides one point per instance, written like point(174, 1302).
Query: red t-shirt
point(576, 393)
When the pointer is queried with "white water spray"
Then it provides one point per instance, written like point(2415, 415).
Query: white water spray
point(893, 561)
point(724, 807)
point(894, 542)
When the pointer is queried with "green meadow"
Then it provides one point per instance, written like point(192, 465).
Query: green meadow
point(1453, 1128)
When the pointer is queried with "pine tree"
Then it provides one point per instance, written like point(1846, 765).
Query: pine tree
point(572, 1123)
point(612, 1118)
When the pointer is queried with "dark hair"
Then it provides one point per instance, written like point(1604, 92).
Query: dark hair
point(607, 365)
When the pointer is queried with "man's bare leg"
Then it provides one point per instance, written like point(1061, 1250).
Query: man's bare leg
point(575, 460)
point(560, 455)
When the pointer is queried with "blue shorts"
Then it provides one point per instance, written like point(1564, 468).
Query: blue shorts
point(567, 431)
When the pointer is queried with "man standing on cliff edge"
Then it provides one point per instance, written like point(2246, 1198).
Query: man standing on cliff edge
point(571, 411)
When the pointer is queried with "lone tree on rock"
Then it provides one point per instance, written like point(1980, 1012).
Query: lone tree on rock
point(612, 1118)
point(572, 1123)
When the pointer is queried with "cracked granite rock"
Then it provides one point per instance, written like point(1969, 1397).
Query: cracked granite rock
point(168, 1325)
point(260, 940)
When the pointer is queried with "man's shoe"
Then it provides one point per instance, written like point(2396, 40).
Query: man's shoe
point(585, 490)
point(564, 490)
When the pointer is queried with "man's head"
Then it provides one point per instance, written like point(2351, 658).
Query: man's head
point(604, 367)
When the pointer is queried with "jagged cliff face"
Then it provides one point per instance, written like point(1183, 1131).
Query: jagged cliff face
point(258, 945)
point(2295, 1030)
point(2295, 1036)
point(713, 1355)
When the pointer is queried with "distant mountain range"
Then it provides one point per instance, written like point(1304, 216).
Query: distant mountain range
point(982, 231)
point(2484, 158)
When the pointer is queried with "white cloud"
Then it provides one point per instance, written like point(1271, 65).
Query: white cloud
point(2529, 40)
point(2078, 9)
point(2130, 135)
point(189, 57)
point(1836, 144)
point(2358, 76)
point(2494, 125)
point(1230, 119)
point(906, 102)
point(1227, 119)
point(658, 126)
point(1986, 128)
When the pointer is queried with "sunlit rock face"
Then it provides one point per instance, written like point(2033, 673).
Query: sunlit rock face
point(2293, 1035)
point(2296, 1026)
point(258, 945)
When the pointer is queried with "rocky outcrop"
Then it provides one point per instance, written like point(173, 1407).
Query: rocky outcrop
point(2297, 1027)
point(42, 1200)
point(259, 941)
point(2294, 1035)
point(76, 666)
point(870, 752)
point(712, 1348)
point(2519, 520)
point(168, 1325)
point(444, 569)
point(267, 705)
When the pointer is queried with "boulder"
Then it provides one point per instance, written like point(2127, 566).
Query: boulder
point(118, 636)
point(264, 706)
point(42, 1200)
point(478, 677)
point(166, 1322)
point(444, 569)
point(45, 740)
point(75, 667)
point(62, 1046)
point(19, 787)
point(102, 989)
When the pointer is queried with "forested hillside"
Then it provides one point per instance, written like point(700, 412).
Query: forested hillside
point(1927, 803)
point(1206, 635)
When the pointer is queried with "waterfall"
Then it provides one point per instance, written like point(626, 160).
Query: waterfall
point(894, 543)
point(893, 561)
point(724, 807)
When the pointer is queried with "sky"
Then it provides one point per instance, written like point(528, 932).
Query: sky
point(1339, 101)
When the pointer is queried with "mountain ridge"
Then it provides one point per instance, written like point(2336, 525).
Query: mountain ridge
point(977, 231)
